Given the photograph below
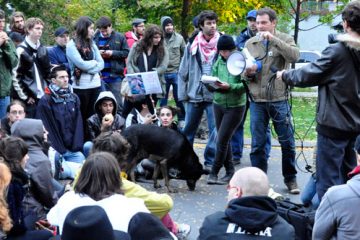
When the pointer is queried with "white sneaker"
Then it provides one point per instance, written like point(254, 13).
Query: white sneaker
point(183, 231)
point(274, 195)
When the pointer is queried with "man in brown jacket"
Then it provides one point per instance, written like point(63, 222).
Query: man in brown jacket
point(273, 51)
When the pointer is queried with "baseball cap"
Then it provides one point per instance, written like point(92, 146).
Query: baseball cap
point(137, 21)
point(60, 31)
point(251, 14)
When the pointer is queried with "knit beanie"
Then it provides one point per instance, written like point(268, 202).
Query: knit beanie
point(165, 21)
point(147, 226)
point(226, 42)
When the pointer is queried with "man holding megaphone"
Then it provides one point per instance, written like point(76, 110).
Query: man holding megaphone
point(272, 50)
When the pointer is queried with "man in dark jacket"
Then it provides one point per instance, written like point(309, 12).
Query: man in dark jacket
point(114, 50)
point(248, 32)
point(338, 109)
point(250, 213)
point(8, 61)
point(57, 53)
point(335, 217)
point(31, 74)
point(59, 109)
point(105, 118)
point(17, 25)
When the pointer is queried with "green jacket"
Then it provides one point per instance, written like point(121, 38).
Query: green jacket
point(236, 95)
point(282, 52)
point(8, 61)
point(176, 46)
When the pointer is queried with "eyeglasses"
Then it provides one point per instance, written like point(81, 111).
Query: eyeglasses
point(17, 112)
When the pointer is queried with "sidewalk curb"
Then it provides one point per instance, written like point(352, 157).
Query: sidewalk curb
point(274, 143)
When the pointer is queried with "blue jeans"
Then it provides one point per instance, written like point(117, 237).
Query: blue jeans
point(4, 102)
point(87, 148)
point(279, 113)
point(194, 112)
point(67, 164)
point(115, 88)
point(237, 142)
point(308, 194)
point(171, 79)
point(335, 158)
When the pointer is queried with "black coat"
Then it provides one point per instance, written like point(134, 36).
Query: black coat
point(247, 218)
point(117, 43)
point(337, 73)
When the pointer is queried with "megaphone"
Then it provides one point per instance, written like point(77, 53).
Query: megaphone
point(239, 61)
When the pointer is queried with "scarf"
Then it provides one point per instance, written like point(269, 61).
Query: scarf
point(207, 49)
point(60, 95)
point(354, 172)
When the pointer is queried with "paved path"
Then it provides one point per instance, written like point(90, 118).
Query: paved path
point(192, 207)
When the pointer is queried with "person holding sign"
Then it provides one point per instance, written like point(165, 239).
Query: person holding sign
point(149, 54)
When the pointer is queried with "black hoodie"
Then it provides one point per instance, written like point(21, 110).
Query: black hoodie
point(247, 218)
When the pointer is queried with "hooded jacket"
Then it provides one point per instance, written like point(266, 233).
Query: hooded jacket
point(337, 73)
point(245, 35)
point(337, 217)
point(62, 119)
point(38, 166)
point(8, 61)
point(94, 122)
point(175, 46)
point(247, 218)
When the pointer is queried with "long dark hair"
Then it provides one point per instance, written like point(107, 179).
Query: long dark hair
point(99, 177)
point(146, 42)
point(81, 32)
point(13, 150)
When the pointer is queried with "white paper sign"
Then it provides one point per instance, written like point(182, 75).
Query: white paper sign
point(144, 83)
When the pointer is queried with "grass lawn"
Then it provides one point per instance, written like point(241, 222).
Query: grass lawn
point(303, 112)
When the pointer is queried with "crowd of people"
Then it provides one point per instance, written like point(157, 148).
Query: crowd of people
point(63, 108)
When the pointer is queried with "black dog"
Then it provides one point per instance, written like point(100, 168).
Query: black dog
point(168, 147)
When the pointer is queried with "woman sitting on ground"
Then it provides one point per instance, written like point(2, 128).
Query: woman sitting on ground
point(158, 204)
point(23, 224)
point(99, 184)
point(166, 115)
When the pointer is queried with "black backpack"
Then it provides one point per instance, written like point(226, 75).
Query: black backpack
point(299, 216)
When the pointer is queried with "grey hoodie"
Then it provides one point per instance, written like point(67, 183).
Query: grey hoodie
point(42, 193)
point(337, 216)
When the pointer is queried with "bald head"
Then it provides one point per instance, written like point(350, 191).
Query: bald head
point(250, 181)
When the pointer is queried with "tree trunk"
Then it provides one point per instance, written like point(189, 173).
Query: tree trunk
point(184, 14)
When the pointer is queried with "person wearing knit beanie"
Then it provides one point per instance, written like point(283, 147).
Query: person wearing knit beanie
point(226, 42)
point(167, 25)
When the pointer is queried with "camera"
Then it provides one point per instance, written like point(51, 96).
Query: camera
point(332, 37)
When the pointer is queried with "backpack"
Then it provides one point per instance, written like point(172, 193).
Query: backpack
point(299, 216)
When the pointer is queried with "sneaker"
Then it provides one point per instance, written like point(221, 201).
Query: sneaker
point(183, 231)
point(227, 178)
point(212, 179)
point(207, 169)
point(236, 161)
point(292, 187)
point(274, 195)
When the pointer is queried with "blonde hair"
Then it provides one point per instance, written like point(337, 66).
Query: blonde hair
point(5, 177)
